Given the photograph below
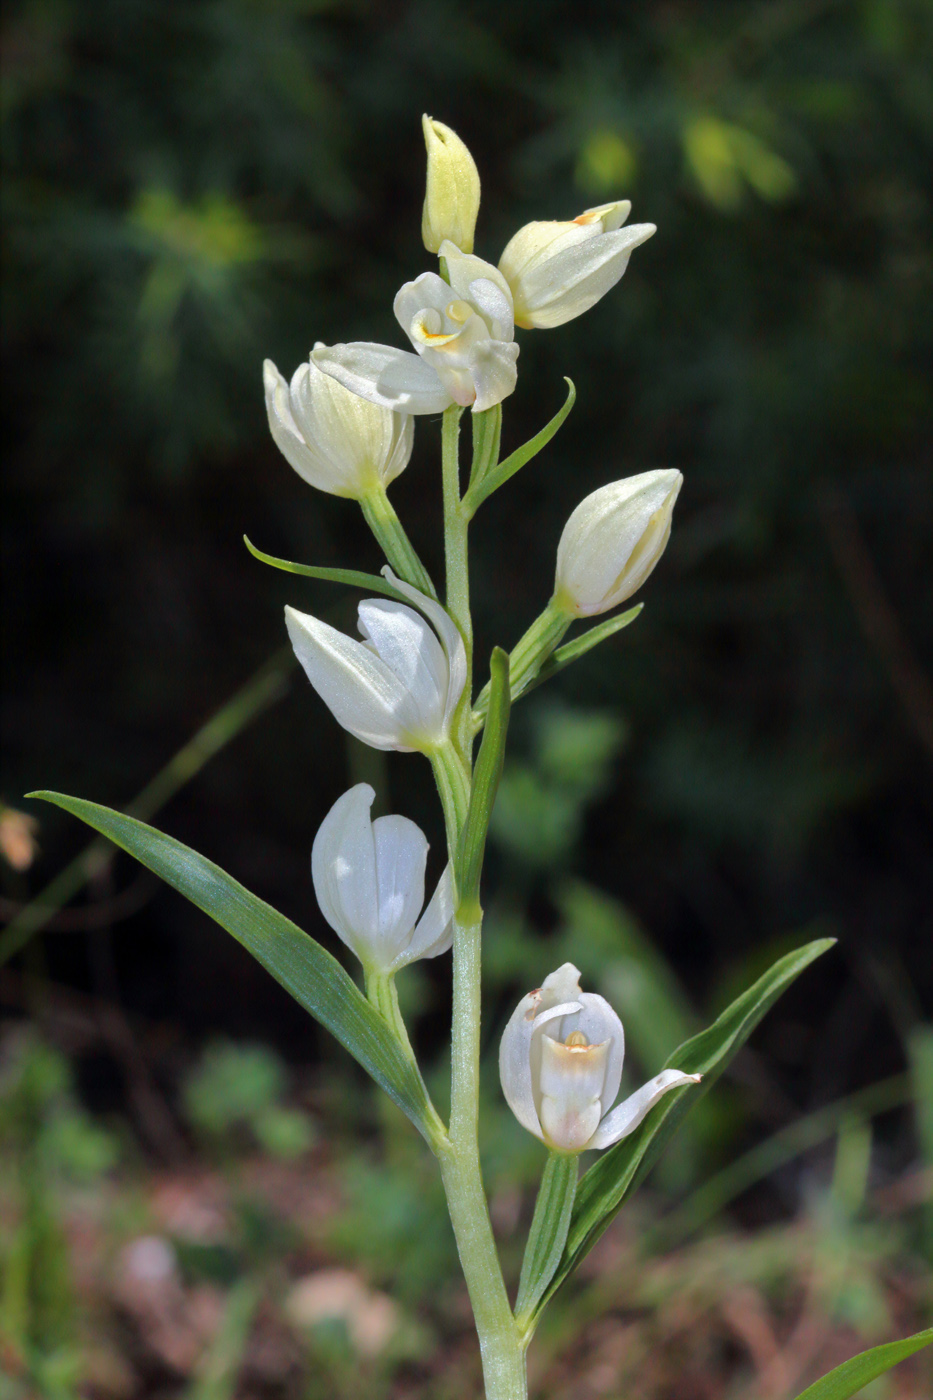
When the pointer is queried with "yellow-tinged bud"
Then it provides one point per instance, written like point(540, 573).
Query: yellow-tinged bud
point(451, 200)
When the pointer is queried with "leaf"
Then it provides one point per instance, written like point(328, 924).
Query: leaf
point(479, 491)
point(548, 1233)
point(620, 1170)
point(486, 777)
point(849, 1378)
point(572, 651)
point(353, 578)
point(306, 970)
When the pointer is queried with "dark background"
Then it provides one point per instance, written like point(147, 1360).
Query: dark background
point(191, 187)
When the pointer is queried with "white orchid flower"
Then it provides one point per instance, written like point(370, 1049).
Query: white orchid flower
point(560, 268)
point(335, 440)
point(560, 1063)
point(462, 332)
point(399, 687)
point(369, 881)
point(613, 540)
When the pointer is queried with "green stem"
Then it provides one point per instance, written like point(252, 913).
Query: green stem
point(528, 655)
point(456, 527)
point(396, 546)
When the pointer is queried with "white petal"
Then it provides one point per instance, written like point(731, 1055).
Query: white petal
point(515, 1063)
point(343, 868)
point(561, 287)
point(630, 1112)
point(570, 1085)
point(428, 290)
point(495, 307)
point(494, 372)
point(401, 854)
point(285, 432)
point(466, 268)
point(599, 1023)
point(435, 929)
point(359, 689)
point(355, 438)
point(449, 633)
point(393, 378)
point(403, 640)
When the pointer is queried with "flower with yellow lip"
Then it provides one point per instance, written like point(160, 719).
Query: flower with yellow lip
point(462, 332)
point(557, 269)
point(560, 1063)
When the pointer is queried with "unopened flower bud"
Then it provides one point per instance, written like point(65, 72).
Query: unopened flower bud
point(335, 440)
point(613, 540)
point(451, 200)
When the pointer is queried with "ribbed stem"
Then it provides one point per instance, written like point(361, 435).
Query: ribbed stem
point(547, 1236)
point(529, 655)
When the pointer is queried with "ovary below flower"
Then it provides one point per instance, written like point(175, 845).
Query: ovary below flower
point(369, 881)
point(399, 687)
point(462, 332)
point(335, 440)
point(557, 269)
point(560, 1063)
point(613, 540)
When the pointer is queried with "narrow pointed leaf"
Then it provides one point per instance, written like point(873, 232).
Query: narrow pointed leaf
point(562, 657)
point(853, 1375)
point(306, 970)
point(481, 490)
point(486, 777)
point(548, 1233)
point(620, 1170)
point(353, 578)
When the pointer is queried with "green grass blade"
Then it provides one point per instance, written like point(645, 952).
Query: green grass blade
point(353, 578)
point(853, 1375)
point(620, 1170)
point(306, 970)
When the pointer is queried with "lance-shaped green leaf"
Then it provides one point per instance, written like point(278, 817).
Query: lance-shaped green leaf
point(480, 490)
point(562, 657)
point(485, 785)
point(548, 1233)
point(620, 1170)
point(853, 1375)
point(352, 578)
point(306, 970)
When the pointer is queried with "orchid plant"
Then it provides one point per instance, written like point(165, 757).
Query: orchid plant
point(345, 423)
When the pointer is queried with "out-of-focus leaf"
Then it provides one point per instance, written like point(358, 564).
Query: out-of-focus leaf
point(853, 1375)
point(305, 969)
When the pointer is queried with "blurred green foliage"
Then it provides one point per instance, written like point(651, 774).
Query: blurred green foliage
point(236, 1087)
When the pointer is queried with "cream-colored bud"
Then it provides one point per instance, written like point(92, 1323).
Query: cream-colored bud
point(613, 540)
point(451, 200)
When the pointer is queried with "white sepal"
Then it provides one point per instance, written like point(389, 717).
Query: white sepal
point(336, 440)
point(391, 378)
point(560, 1063)
point(396, 689)
point(613, 540)
point(626, 1117)
point(369, 881)
point(558, 269)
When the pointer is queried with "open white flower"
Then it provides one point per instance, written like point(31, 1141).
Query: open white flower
point(399, 687)
point(462, 333)
point(560, 1063)
point(369, 881)
point(557, 269)
point(335, 440)
point(613, 540)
